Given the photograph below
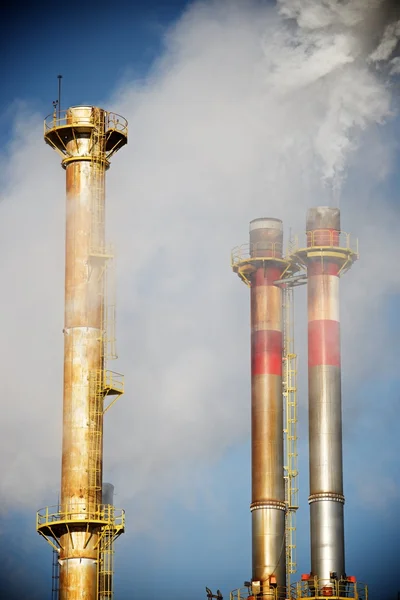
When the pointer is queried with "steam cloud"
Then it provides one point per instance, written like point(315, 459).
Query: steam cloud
point(250, 111)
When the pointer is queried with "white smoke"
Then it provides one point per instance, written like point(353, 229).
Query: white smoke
point(326, 54)
point(250, 111)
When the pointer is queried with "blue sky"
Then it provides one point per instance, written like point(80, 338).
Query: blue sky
point(188, 522)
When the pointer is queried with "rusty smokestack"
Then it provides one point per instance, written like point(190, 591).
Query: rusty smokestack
point(260, 266)
point(86, 137)
point(327, 256)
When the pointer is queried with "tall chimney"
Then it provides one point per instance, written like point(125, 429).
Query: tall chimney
point(327, 257)
point(85, 137)
point(260, 266)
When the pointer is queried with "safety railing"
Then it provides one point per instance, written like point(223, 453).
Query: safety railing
point(324, 238)
point(105, 513)
point(274, 593)
point(258, 250)
point(114, 381)
point(320, 589)
point(114, 121)
point(66, 118)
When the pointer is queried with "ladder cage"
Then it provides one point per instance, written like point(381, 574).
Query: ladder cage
point(289, 390)
point(55, 576)
point(106, 566)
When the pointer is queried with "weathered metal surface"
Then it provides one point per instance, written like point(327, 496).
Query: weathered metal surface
point(323, 217)
point(78, 579)
point(82, 355)
point(268, 490)
point(325, 410)
point(85, 137)
point(268, 545)
point(266, 238)
point(84, 297)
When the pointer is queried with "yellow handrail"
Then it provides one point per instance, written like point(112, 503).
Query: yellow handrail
point(65, 118)
point(324, 238)
point(105, 513)
point(246, 252)
point(327, 588)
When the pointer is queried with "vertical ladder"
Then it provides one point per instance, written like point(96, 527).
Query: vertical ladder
point(290, 430)
point(96, 428)
point(98, 166)
point(55, 577)
point(102, 256)
point(98, 265)
point(101, 381)
point(109, 314)
point(106, 565)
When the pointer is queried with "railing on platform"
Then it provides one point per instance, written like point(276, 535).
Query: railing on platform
point(105, 514)
point(65, 118)
point(320, 589)
point(248, 252)
point(324, 238)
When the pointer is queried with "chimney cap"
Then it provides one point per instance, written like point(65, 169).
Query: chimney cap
point(266, 223)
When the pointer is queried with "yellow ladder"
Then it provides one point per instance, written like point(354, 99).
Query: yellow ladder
point(109, 311)
point(101, 254)
point(96, 438)
point(290, 430)
point(98, 165)
point(104, 384)
point(106, 565)
point(98, 265)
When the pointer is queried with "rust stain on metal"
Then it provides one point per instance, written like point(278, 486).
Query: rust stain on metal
point(83, 359)
point(83, 138)
point(78, 579)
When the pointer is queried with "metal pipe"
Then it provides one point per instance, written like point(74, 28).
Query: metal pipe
point(268, 490)
point(324, 380)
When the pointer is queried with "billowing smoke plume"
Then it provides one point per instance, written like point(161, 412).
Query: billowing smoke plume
point(251, 110)
point(373, 24)
point(331, 49)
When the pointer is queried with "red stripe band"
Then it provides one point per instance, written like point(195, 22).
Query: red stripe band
point(324, 343)
point(266, 352)
point(267, 276)
point(318, 266)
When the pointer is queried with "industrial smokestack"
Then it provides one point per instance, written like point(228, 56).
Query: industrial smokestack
point(85, 137)
point(260, 265)
point(327, 256)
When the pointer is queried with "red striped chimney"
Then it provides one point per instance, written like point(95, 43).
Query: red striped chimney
point(324, 263)
point(268, 490)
